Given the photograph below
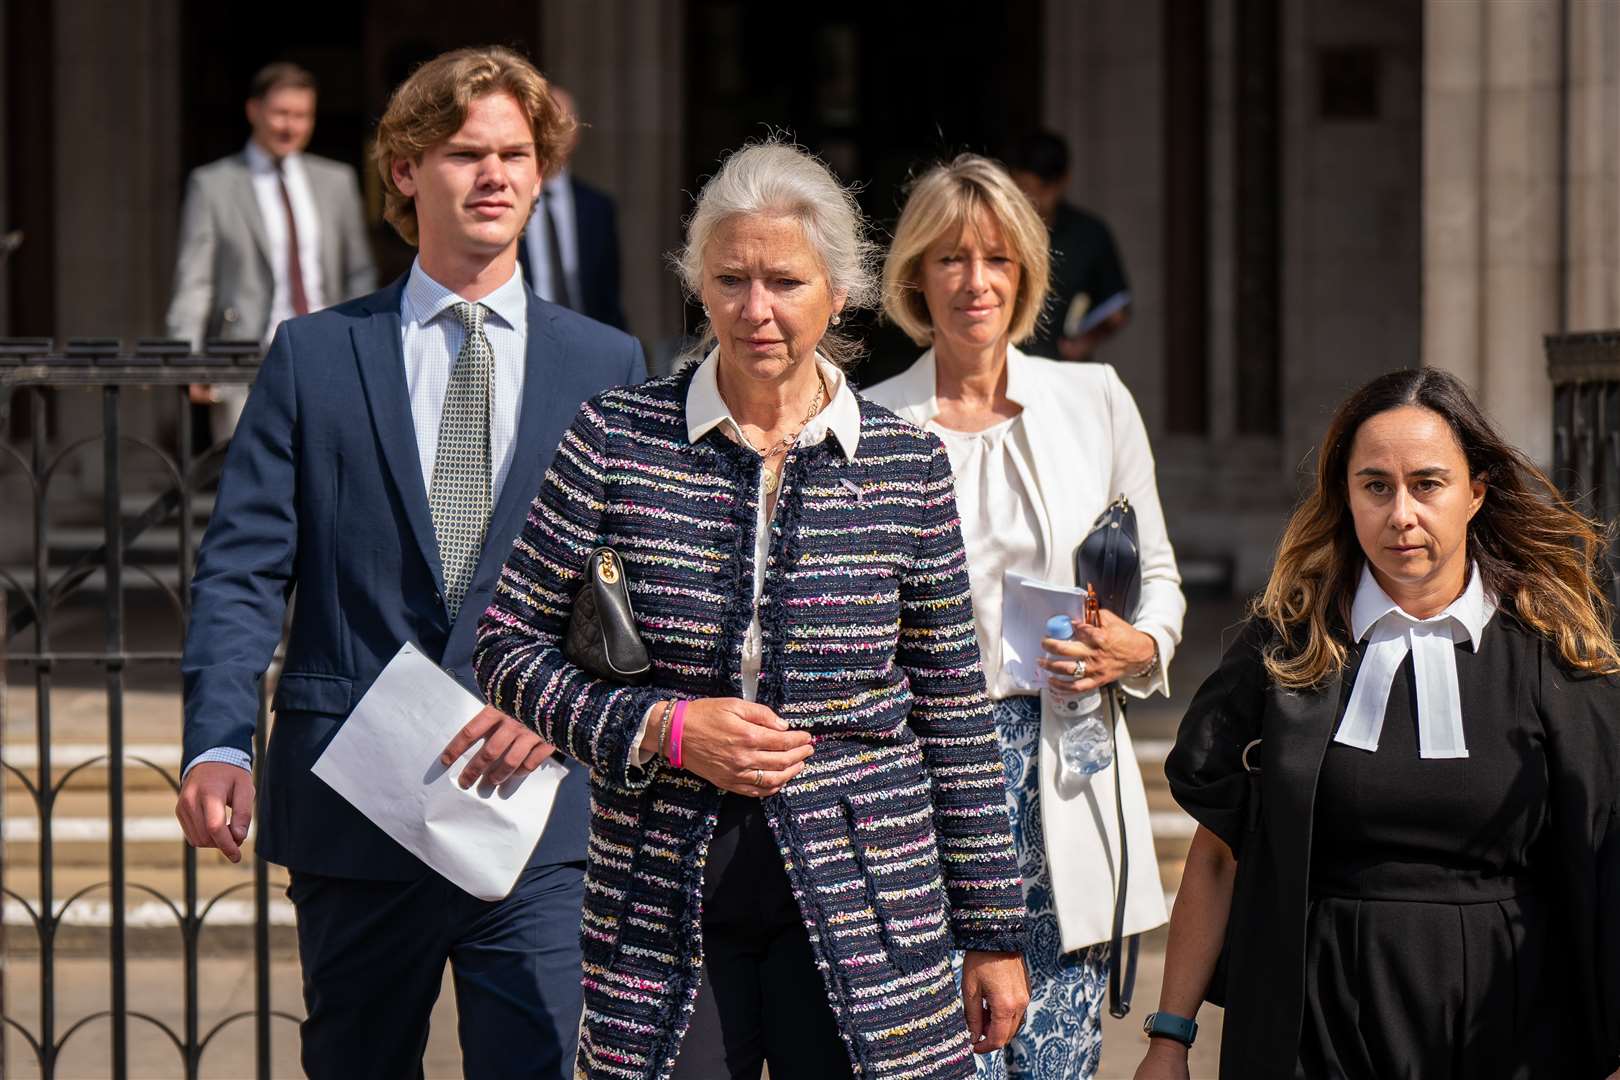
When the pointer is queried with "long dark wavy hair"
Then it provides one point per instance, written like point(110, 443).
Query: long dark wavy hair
point(1534, 550)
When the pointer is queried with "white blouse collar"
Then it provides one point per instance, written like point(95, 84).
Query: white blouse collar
point(1472, 610)
point(706, 409)
point(1391, 633)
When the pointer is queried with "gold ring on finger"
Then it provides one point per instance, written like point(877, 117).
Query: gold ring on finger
point(759, 779)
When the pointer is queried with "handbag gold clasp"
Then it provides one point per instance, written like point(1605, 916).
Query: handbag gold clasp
point(607, 568)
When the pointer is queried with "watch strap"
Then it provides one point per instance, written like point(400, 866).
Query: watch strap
point(1180, 1028)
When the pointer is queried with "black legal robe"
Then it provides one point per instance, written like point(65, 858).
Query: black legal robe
point(1458, 918)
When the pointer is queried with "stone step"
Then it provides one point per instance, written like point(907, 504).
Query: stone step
point(215, 875)
point(92, 756)
point(153, 841)
point(153, 928)
point(1173, 824)
point(80, 826)
point(154, 548)
point(166, 573)
point(134, 503)
point(1150, 755)
point(138, 829)
point(68, 542)
point(141, 910)
point(149, 841)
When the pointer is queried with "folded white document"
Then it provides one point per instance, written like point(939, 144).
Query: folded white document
point(385, 761)
point(1026, 604)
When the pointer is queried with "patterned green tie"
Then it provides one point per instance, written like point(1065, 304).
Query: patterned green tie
point(460, 496)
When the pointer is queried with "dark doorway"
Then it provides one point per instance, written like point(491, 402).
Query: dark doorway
point(30, 121)
point(876, 89)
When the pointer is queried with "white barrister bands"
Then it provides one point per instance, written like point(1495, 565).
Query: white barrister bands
point(1391, 633)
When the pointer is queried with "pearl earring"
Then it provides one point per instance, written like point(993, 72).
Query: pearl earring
point(837, 320)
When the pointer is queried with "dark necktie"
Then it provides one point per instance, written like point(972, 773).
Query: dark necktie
point(461, 497)
point(295, 269)
point(559, 278)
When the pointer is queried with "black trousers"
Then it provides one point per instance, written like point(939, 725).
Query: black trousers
point(762, 999)
point(373, 956)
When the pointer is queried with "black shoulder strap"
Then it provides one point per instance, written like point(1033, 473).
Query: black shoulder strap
point(1121, 972)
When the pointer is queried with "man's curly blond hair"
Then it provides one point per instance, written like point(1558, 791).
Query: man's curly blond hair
point(431, 106)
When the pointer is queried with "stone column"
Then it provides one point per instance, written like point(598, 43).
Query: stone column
point(117, 164)
point(118, 185)
point(1593, 227)
point(1492, 202)
point(6, 225)
point(1222, 121)
point(1104, 93)
point(1453, 77)
point(624, 62)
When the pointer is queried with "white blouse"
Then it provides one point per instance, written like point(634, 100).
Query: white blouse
point(1000, 527)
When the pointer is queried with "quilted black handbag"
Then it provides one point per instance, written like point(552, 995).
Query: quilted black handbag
point(602, 636)
point(1109, 559)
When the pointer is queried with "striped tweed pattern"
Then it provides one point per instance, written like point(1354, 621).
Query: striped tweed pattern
point(895, 836)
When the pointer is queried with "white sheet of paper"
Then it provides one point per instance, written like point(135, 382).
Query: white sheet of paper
point(1026, 604)
point(385, 761)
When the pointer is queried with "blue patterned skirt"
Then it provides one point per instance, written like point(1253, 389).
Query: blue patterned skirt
point(1062, 1034)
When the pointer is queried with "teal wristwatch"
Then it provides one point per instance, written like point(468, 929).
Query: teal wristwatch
point(1180, 1028)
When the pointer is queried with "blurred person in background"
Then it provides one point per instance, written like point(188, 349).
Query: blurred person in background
point(801, 816)
point(570, 249)
point(1089, 300)
point(1406, 775)
point(267, 234)
point(1039, 449)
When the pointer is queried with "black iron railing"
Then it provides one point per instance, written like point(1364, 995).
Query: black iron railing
point(1585, 371)
point(31, 371)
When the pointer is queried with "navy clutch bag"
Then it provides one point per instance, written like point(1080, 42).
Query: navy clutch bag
point(1110, 559)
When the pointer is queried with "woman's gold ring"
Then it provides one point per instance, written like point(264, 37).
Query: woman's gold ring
point(759, 779)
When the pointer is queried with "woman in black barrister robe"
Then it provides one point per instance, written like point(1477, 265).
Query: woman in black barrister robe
point(1406, 773)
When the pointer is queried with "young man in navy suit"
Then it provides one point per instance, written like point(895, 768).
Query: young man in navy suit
point(382, 468)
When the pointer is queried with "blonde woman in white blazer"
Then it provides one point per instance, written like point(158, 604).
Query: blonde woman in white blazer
point(1040, 448)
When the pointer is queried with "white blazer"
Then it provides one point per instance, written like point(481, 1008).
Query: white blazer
point(1087, 447)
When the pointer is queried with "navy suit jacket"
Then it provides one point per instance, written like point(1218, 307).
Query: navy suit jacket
point(597, 226)
point(322, 493)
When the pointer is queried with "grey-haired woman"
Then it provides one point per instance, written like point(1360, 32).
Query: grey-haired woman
point(799, 820)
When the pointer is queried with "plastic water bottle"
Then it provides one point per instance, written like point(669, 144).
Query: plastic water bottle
point(1086, 745)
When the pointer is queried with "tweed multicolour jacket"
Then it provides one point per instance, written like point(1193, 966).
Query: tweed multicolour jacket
point(894, 836)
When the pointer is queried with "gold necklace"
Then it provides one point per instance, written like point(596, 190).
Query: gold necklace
point(773, 477)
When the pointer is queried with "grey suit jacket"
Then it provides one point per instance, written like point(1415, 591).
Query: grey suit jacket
point(222, 279)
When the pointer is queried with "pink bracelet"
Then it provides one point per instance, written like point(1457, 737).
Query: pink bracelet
point(676, 725)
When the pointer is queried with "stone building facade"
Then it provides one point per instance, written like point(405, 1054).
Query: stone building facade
point(1305, 193)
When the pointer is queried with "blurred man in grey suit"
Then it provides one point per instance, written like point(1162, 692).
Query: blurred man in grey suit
point(267, 233)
